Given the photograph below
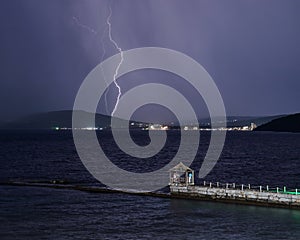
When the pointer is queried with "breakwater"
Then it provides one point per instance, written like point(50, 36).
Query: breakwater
point(240, 194)
point(226, 193)
point(60, 184)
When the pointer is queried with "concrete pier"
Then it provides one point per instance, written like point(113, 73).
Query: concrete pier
point(182, 186)
point(206, 193)
point(240, 196)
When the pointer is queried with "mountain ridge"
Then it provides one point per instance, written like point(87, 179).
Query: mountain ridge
point(63, 119)
point(290, 123)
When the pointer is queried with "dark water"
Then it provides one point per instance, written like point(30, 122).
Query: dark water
point(40, 213)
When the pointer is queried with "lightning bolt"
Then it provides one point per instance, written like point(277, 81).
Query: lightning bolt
point(102, 57)
point(85, 26)
point(119, 65)
point(93, 31)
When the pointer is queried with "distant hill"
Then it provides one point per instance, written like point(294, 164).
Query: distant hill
point(51, 120)
point(290, 123)
point(238, 121)
point(246, 121)
point(63, 119)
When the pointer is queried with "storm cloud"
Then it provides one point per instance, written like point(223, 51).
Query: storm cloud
point(250, 48)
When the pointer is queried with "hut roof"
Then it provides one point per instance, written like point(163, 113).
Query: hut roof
point(181, 168)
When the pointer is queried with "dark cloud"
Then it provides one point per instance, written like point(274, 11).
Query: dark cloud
point(250, 48)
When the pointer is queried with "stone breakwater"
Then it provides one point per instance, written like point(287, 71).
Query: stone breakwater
point(204, 193)
point(245, 196)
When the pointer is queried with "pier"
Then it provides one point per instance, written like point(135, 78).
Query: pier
point(182, 186)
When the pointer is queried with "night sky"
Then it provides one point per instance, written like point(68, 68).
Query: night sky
point(250, 48)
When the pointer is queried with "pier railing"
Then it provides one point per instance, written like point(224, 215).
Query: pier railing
point(245, 187)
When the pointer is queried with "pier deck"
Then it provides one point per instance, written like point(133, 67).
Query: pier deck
point(241, 196)
point(206, 193)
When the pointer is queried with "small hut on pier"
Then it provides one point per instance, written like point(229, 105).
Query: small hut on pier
point(181, 175)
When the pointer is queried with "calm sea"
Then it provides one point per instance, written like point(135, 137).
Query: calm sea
point(41, 213)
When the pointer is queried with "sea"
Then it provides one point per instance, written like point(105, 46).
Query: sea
point(256, 158)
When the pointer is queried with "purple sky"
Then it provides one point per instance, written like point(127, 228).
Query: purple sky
point(250, 48)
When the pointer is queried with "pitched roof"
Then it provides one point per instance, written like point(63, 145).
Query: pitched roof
point(180, 167)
